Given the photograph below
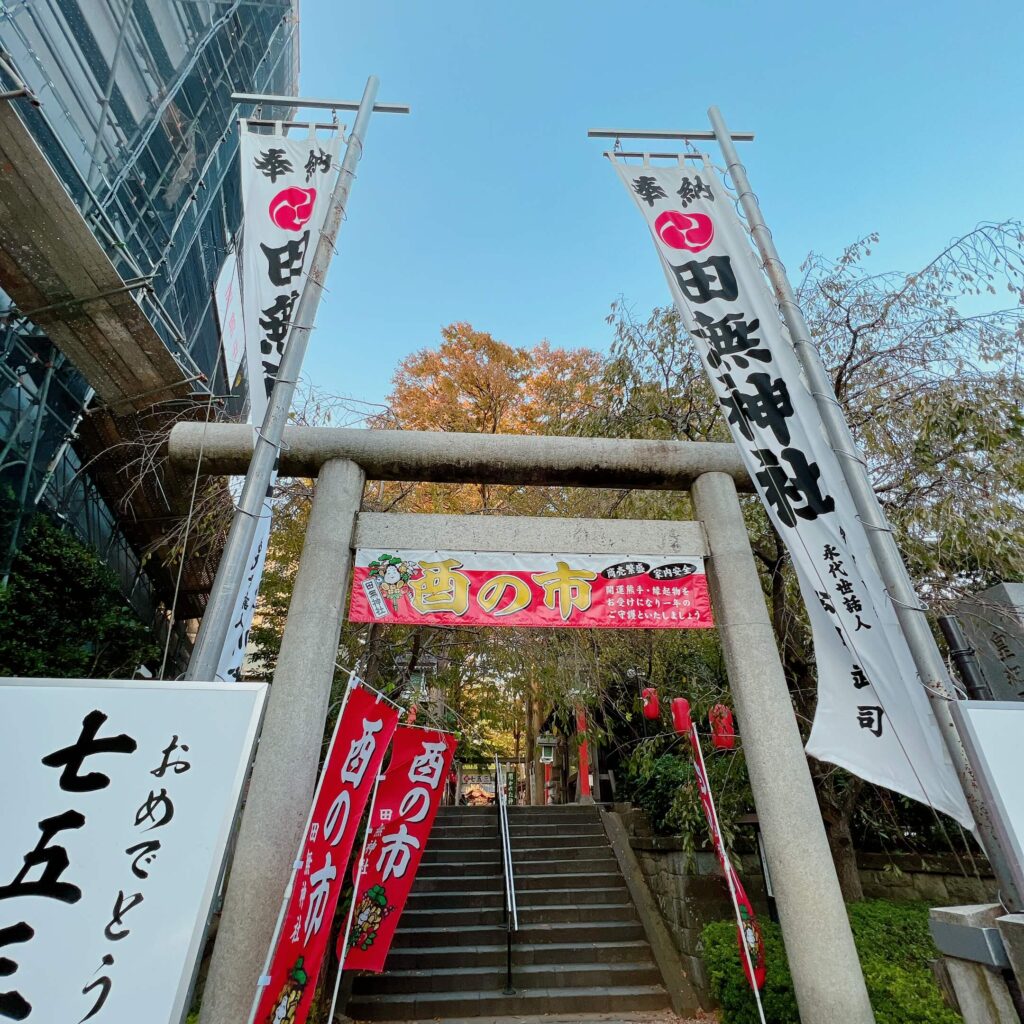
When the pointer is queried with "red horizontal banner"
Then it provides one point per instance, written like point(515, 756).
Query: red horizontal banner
point(462, 588)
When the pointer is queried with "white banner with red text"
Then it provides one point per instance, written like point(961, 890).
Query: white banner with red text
point(502, 588)
point(119, 803)
point(361, 737)
point(400, 823)
point(872, 716)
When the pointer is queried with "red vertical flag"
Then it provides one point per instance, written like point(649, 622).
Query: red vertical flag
point(402, 817)
point(362, 735)
point(748, 934)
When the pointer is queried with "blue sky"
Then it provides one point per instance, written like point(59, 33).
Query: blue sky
point(489, 204)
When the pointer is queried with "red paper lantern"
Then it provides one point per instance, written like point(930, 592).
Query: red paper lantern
point(723, 732)
point(681, 715)
point(652, 708)
point(410, 715)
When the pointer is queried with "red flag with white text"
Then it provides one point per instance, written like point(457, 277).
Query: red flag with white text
point(400, 822)
point(754, 965)
point(361, 737)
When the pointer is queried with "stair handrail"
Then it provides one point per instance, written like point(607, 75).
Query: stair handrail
point(511, 910)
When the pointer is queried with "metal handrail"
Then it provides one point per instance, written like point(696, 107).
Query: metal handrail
point(511, 910)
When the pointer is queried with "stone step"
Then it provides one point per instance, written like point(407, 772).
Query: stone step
point(600, 873)
point(530, 849)
point(471, 917)
point(556, 840)
point(519, 830)
point(524, 863)
point(429, 1006)
point(492, 978)
point(472, 897)
point(449, 956)
point(489, 935)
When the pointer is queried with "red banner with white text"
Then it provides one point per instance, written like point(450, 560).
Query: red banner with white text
point(497, 588)
point(362, 735)
point(401, 820)
point(750, 934)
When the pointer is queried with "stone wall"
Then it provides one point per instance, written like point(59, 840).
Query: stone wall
point(690, 890)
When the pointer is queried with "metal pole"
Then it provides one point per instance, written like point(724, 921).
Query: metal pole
point(230, 573)
point(963, 655)
point(37, 426)
point(298, 862)
point(823, 960)
point(360, 868)
point(284, 773)
point(909, 611)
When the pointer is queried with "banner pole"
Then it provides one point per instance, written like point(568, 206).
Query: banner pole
point(216, 621)
point(264, 978)
point(698, 754)
point(909, 611)
point(352, 906)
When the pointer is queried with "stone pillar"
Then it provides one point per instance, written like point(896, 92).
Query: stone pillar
point(826, 973)
point(284, 773)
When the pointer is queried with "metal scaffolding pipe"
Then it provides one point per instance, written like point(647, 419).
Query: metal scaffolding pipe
point(439, 457)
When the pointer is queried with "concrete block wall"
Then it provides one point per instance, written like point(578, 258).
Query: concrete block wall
point(690, 891)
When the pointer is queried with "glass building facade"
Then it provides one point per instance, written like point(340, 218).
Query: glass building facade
point(130, 104)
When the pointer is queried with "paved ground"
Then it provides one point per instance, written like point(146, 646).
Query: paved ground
point(648, 1017)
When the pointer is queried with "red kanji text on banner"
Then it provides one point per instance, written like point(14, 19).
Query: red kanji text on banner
point(364, 730)
point(401, 820)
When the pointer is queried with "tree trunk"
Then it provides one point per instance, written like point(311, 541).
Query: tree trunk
point(843, 854)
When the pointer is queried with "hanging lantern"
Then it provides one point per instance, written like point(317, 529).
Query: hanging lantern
point(410, 715)
point(649, 696)
point(723, 732)
point(546, 744)
point(681, 715)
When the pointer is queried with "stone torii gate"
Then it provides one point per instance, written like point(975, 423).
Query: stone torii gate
point(823, 961)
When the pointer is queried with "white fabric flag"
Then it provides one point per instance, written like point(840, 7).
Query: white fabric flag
point(873, 716)
point(286, 190)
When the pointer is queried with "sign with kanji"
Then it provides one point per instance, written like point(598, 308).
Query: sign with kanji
point(361, 737)
point(481, 588)
point(400, 822)
point(872, 716)
point(286, 189)
point(748, 932)
point(118, 807)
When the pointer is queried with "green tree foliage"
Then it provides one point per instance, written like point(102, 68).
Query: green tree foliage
point(894, 947)
point(62, 614)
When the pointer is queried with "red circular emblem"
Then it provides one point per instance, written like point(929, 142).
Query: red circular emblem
point(693, 231)
point(292, 207)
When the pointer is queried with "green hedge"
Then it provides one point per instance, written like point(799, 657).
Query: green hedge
point(894, 948)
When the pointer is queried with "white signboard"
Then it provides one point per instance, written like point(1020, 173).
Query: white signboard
point(992, 731)
point(117, 808)
point(872, 716)
point(227, 295)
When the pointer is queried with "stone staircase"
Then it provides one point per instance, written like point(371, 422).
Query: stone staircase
point(580, 947)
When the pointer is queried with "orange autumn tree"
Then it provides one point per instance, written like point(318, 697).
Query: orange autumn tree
point(474, 383)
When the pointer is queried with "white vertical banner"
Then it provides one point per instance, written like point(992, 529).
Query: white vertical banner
point(286, 190)
point(120, 804)
point(227, 294)
point(872, 716)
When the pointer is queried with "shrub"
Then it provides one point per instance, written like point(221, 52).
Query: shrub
point(894, 948)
